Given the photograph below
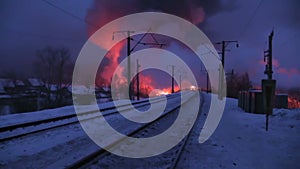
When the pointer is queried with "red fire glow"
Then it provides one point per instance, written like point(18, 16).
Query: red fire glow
point(281, 70)
point(146, 84)
point(288, 72)
point(106, 74)
point(197, 14)
point(293, 103)
point(103, 12)
point(275, 63)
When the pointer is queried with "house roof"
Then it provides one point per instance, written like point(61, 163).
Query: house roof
point(80, 89)
point(35, 82)
point(5, 83)
point(106, 89)
point(19, 83)
point(2, 89)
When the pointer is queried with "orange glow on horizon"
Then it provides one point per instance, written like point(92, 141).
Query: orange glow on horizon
point(293, 103)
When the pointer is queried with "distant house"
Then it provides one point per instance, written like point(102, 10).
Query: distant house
point(103, 92)
point(6, 104)
point(31, 94)
point(2, 88)
point(63, 95)
point(6, 85)
point(34, 88)
point(85, 95)
point(35, 82)
point(252, 101)
point(19, 83)
point(21, 96)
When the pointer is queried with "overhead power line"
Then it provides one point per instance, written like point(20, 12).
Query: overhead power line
point(71, 14)
point(250, 20)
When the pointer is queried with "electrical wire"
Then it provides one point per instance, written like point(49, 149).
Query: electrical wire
point(71, 14)
point(250, 20)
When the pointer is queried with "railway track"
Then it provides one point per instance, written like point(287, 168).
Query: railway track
point(13, 131)
point(167, 160)
point(185, 140)
point(79, 152)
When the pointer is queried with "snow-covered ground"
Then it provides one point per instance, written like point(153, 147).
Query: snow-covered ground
point(241, 141)
point(54, 148)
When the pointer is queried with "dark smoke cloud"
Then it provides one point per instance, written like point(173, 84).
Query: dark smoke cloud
point(103, 11)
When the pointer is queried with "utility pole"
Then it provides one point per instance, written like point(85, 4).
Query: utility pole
point(137, 80)
point(180, 82)
point(129, 50)
point(128, 59)
point(129, 65)
point(172, 78)
point(224, 45)
point(173, 67)
point(223, 54)
point(182, 74)
point(207, 82)
point(268, 55)
point(207, 78)
point(268, 85)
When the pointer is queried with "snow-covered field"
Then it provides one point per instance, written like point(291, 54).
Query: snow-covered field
point(241, 141)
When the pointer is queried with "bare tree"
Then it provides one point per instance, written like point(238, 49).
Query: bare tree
point(236, 83)
point(53, 66)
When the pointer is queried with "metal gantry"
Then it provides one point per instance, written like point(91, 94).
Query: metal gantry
point(268, 85)
point(129, 50)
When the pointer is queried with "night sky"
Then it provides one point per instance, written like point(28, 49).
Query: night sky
point(27, 26)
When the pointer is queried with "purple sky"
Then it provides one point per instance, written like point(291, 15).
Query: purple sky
point(30, 25)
